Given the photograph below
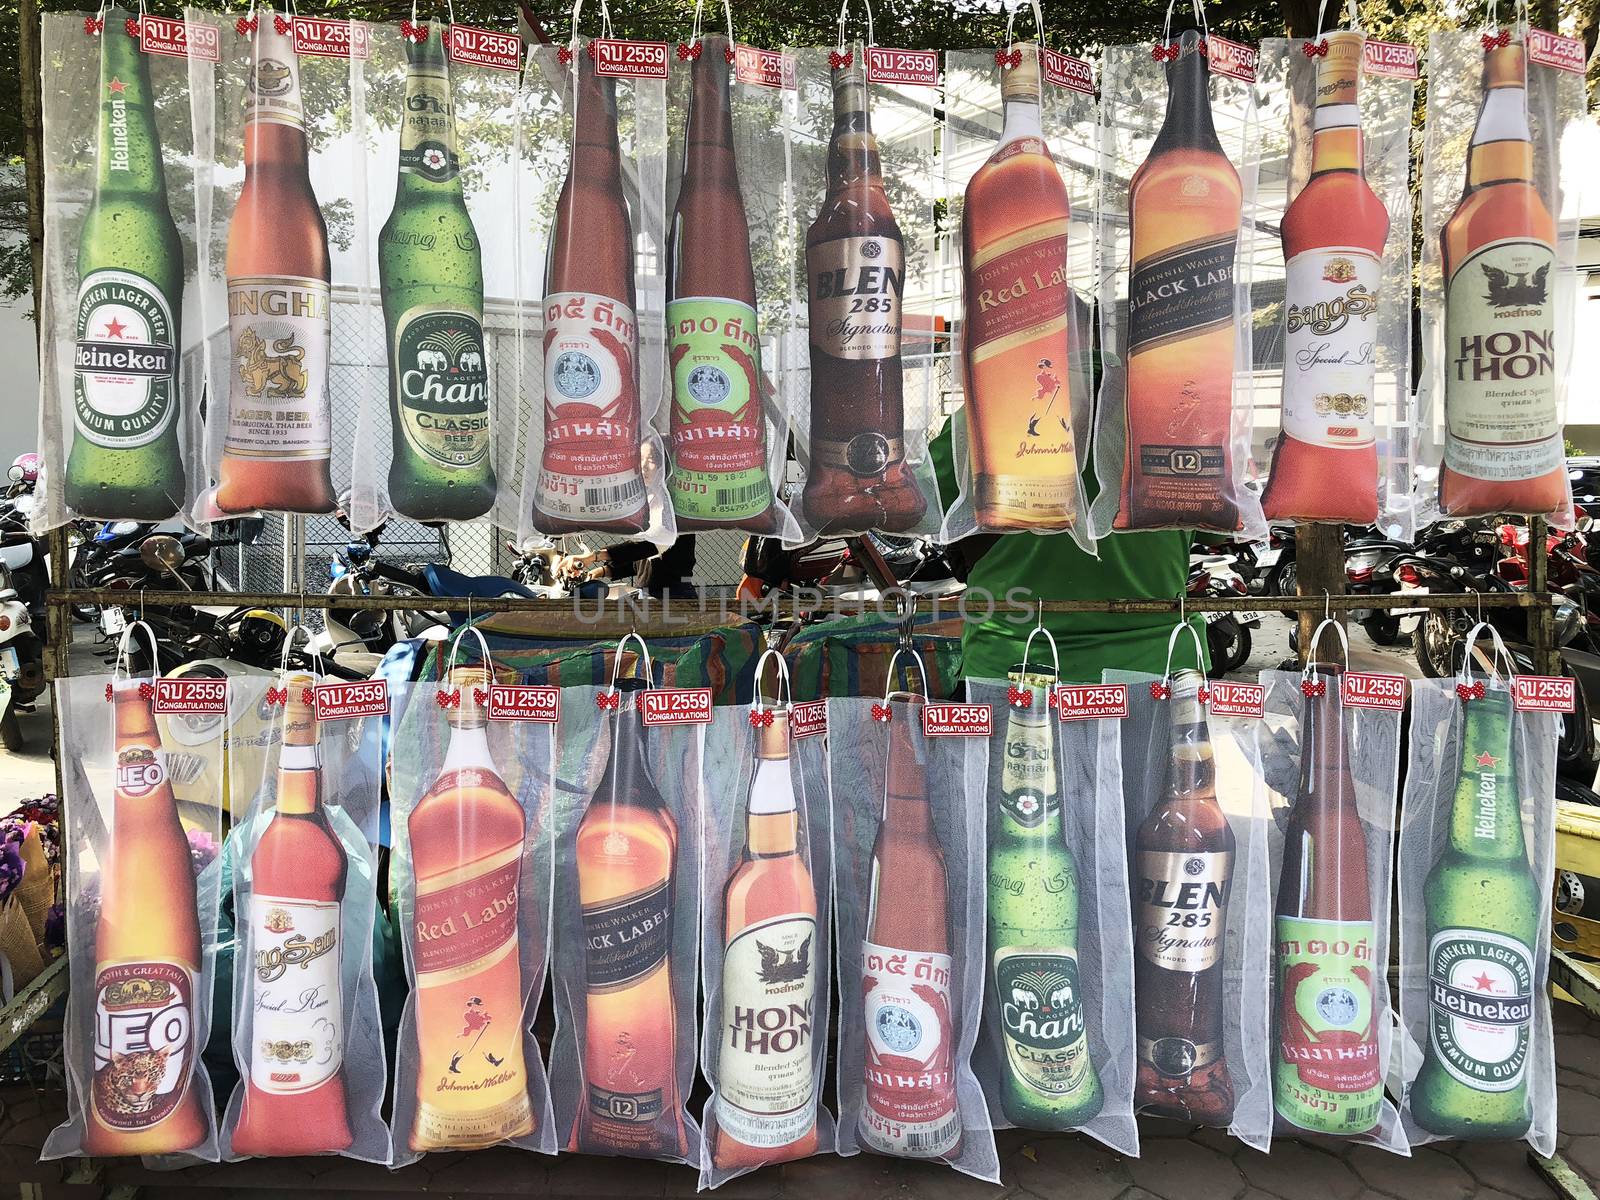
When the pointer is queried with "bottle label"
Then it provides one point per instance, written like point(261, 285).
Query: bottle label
point(428, 133)
point(590, 467)
point(1500, 363)
point(297, 1038)
point(143, 1026)
point(125, 383)
point(910, 1103)
point(719, 436)
point(1480, 1007)
point(443, 405)
point(1177, 1057)
point(278, 403)
point(141, 769)
point(856, 286)
point(1326, 1076)
point(273, 86)
point(1180, 294)
point(630, 1108)
point(1183, 908)
point(766, 1088)
point(1028, 789)
point(628, 938)
point(1328, 359)
point(1017, 289)
point(466, 916)
point(1041, 1019)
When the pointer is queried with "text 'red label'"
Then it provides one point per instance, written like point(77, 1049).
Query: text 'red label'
point(322, 38)
point(179, 39)
point(957, 720)
point(1544, 693)
point(1394, 59)
point(676, 706)
point(519, 702)
point(918, 67)
point(1237, 699)
point(1364, 689)
point(808, 719)
point(485, 48)
point(1553, 50)
point(765, 68)
point(1065, 71)
point(192, 696)
point(1087, 702)
point(618, 59)
point(341, 701)
point(1233, 59)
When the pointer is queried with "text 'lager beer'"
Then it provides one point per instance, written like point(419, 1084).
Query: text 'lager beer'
point(1183, 213)
point(627, 854)
point(1483, 907)
point(766, 1108)
point(295, 1100)
point(1047, 1080)
point(858, 478)
point(125, 460)
point(1326, 1072)
point(1503, 447)
point(147, 957)
point(431, 272)
point(909, 1108)
point(467, 842)
point(1183, 871)
point(1325, 464)
point(1018, 304)
point(590, 472)
point(718, 432)
point(280, 432)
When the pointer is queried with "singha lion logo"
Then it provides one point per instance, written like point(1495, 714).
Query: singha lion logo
point(276, 373)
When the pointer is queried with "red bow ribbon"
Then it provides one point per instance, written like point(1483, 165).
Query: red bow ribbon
point(1018, 698)
point(882, 712)
point(93, 25)
point(611, 700)
point(147, 691)
point(729, 55)
point(837, 60)
point(277, 696)
point(282, 24)
point(1159, 691)
point(1054, 700)
point(564, 55)
point(589, 50)
point(760, 718)
point(1005, 60)
point(480, 697)
point(1203, 695)
point(1199, 48)
point(448, 700)
point(132, 26)
point(1497, 41)
point(687, 52)
point(1470, 691)
point(110, 691)
point(1310, 688)
point(1164, 53)
point(1315, 49)
point(413, 33)
point(245, 26)
point(306, 695)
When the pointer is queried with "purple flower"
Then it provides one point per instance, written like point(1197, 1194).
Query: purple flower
point(203, 849)
point(11, 867)
point(55, 927)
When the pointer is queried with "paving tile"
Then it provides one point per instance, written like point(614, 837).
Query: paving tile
point(1502, 1166)
point(1292, 1166)
point(1580, 1054)
point(1165, 1127)
point(582, 1175)
point(862, 1177)
point(1577, 1112)
point(1068, 1166)
point(1569, 1018)
point(1179, 1169)
point(1584, 1155)
point(766, 1183)
point(1429, 1174)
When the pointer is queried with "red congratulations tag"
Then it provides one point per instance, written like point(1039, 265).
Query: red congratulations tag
point(519, 702)
point(1233, 59)
point(1086, 702)
point(808, 719)
point(485, 48)
point(675, 706)
point(180, 39)
point(618, 59)
point(957, 720)
point(341, 701)
point(1553, 50)
point(323, 38)
point(1364, 689)
point(1237, 699)
point(1543, 693)
point(765, 68)
point(915, 67)
point(1065, 71)
point(191, 695)
point(1394, 59)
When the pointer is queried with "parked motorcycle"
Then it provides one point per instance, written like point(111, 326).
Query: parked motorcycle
point(1213, 577)
point(1369, 571)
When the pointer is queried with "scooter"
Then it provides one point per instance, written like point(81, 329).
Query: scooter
point(1212, 577)
point(21, 652)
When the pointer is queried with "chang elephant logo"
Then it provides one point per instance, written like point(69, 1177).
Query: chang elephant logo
point(439, 360)
point(1039, 1000)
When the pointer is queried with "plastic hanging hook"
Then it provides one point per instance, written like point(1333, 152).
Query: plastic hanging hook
point(783, 695)
point(1038, 21)
point(1316, 636)
point(644, 653)
point(1497, 656)
point(1172, 642)
point(922, 673)
point(698, 26)
point(1055, 656)
point(455, 642)
point(844, 13)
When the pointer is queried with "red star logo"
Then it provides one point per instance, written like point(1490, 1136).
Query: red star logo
point(1484, 983)
point(116, 85)
point(1487, 760)
point(115, 328)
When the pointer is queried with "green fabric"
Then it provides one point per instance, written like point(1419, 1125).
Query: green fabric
point(1130, 566)
point(849, 656)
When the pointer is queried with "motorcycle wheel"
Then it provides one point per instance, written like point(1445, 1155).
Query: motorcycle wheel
point(1228, 643)
point(1284, 582)
point(1577, 752)
point(1436, 644)
point(11, 730)
point(1384, 629)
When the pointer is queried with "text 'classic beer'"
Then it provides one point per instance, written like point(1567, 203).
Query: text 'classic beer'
point(431, 273)
point(295, 1100)
point(467, 840)
point(858, 478)
point(1483, 909)
point(1503, 448)
point(1183, 871)
point(279, 426)
point(1325, 465)
point(719, 435)
point(1018, 303)
point(909, 1108)
point(1035, 992)
point(147, 957)
point(766, 1088)
point(1183, 211)
point(627, 858)
point(590, 474)
point(1326, 1072)
point(125, 460)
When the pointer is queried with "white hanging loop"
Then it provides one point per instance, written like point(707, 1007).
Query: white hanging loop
point(1499, 655)
point(605, 20)
point(1352, 17)
point(844, 12)
point(697, 28)
point(120, 669)
point(288, 647)
point(449, 7)
point(1172, 642)
point(922, 673)
point(1055, 657)
point(1311, 651)
point(644, 654)
point(455, 642)
point(783, 695)
point(1011, 18)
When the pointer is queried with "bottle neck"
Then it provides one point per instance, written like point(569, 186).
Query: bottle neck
point(429, 162)
point(1022, 120)
point(299, 779)
point(275, 127)
point(1187, 124)
point(1486, 817)
point(708, 145)
point(1336, 140)
point(1502, 146)
point(469, 747)
point(852, 150)
point(772, 835)
point(1322, 739)
point(594, 125)
point(130, 147)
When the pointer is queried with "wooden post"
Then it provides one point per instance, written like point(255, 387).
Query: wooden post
point(1319, 568)
point(32, 144)
point(1542, 617)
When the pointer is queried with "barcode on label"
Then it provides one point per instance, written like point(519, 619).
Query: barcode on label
point(615, 494)
point(741, 495)
point(937, 1138)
